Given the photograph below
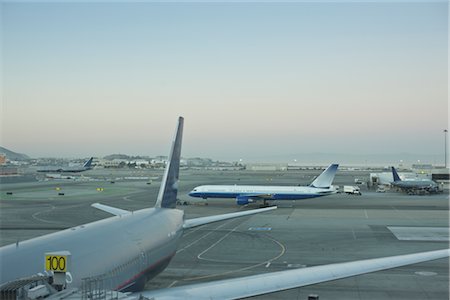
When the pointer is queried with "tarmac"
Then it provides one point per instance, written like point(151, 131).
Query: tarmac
point(331, 229)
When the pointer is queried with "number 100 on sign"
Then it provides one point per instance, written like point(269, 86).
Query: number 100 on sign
point(56, 263)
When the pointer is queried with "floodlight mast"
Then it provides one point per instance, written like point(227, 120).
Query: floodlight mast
point(445, 147)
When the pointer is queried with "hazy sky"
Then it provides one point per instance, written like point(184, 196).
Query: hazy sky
point(251, 79)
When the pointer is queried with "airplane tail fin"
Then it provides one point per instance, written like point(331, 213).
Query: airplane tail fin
point(325, 179)
point(395, 174)
point(88, 163)
point(167, 196)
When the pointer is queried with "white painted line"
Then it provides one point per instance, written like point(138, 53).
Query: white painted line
point(203, 236)
point(172, 284)
point(439, 234)
point(365, 212)
point(283, 250)
point(268, 264)
point(217, 242)
point(35, 215)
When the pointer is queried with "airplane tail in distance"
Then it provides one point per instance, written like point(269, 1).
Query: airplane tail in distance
point(88, 163)
point(395, 175)
point(325, 179)
point(167, 196)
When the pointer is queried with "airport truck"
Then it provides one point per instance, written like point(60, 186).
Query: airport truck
point(352, 190)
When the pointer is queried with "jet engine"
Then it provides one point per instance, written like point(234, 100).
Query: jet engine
point(243, 200)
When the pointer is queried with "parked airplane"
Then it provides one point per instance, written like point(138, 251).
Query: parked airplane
point(413, 186)
point(122, 252)
point(246, 194)
point(85, 167)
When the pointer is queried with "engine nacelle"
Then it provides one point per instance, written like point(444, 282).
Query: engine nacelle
point(243, 200)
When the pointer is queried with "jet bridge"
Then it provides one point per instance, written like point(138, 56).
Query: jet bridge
point(39, 287)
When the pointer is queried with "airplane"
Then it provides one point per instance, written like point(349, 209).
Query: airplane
point(134, 246)
point(412, 186)
point(119, 254)
point(86, 166)
point(246, 194)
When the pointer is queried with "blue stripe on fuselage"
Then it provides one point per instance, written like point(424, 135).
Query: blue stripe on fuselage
point(283, 196)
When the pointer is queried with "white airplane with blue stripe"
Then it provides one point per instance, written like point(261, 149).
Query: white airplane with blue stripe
point(245, 194)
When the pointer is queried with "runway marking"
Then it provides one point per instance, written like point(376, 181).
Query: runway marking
point(172, 284)
point(283, 250)
point(217, 242)
point(126, 198)
point(203, 236)
point(404, 214)
point(268, 264)
point(72, 206)
point(194, 230)
point(365, 212)
point(35, 215)
point(52, 207)
point(354, 235)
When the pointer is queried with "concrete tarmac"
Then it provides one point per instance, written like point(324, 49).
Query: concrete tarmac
point(331, 229)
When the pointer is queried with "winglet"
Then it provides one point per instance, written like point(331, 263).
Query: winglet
point(167, 196)
point(325, 179)
point(88, 163)
point(395, 175)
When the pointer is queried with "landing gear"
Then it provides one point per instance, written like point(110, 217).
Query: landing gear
point(265, 204)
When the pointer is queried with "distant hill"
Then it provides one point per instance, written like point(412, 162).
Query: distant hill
point(13, 155)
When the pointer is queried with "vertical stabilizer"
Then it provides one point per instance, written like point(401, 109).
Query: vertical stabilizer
point(167, 196)
point(395, 175)
point(325, 179)
point(88, 163)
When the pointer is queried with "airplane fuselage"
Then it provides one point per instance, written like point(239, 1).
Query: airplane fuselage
point(143, 241)
point(262, 192)
point(63, 170)
point(416, 184)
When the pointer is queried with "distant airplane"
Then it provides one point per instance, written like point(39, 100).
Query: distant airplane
point(246, 194)
point(85, 167)
point(122, 252)
point(412, 186)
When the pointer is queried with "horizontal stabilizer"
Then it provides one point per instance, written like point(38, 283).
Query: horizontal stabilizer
point(243, 287)
point(206, 220)
point(110, 209)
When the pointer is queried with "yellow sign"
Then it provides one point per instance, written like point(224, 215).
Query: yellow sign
point(56, 263)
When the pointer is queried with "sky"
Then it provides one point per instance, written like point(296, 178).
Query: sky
point(253, 80)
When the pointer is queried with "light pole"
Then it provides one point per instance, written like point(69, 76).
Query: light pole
point(445, 147)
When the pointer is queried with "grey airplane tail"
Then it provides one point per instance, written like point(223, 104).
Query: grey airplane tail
point(167, 196)
point(88, 163)
point(395, 175)
point(325, 179)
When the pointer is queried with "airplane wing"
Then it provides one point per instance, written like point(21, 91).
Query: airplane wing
point(249, 286)
point(206, 220)
point(110, 209)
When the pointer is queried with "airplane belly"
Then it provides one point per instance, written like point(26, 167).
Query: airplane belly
point(294, 196)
